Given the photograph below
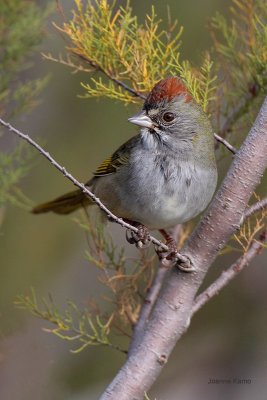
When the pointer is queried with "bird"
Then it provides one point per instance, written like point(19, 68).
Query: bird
point(163, 176)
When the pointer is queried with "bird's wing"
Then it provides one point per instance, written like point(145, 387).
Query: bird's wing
point(120, 157)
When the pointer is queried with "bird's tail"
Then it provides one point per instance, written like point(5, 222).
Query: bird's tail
point(64, 204)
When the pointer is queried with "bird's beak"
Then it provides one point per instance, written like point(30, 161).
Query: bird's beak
point(141, 119)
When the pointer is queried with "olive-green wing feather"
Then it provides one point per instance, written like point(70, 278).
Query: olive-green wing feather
point(72, 201)
point(119, 158)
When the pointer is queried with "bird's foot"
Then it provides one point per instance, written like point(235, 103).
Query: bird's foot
point(184, 263)
point(173, 257)
point(167, 258)
point(141, 239)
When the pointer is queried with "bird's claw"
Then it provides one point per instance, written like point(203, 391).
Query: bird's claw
point(185, 264)
point(167, 258)
point(141, 239)
point(173, 258)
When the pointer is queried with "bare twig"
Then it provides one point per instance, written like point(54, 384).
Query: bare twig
point(85, 190)
point(227, 275)
point(93, 64)
point(238, 110)
point(232, 118)
point(260, 205)
point(68, 62)
point(225, 143)
point(118, 82)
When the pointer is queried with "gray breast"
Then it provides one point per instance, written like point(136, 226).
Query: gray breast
point(159, 191)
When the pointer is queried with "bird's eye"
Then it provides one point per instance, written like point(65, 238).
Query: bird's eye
point(168, 117)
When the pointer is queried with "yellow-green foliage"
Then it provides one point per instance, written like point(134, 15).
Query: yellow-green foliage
point(126, 281)
point(242, 45)
point(108, 38)
point(241, 60)
point(131, 57)
point(126, 278)
point(73, 324)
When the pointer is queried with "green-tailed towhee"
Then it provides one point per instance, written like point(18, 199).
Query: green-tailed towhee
point(161, 177)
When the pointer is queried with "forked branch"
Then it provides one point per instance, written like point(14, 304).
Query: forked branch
point(230, 273)
point(172, 312)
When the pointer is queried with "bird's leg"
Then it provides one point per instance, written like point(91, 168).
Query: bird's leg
point(167, 257)
point(170, 242)
point(172, 257)
point(141, 239)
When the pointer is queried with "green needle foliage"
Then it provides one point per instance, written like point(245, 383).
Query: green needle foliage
point(130, 56)
point(109, 38)
point(242, 45)
point(125, 282)
point(73, 324)
point(240, 48)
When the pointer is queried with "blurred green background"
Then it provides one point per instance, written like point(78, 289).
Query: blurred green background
point(227, 339)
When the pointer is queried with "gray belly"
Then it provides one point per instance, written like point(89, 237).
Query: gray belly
point(158, 199)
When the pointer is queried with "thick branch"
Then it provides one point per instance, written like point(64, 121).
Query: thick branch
point(152, 295)
point(85, 190)
point(227, 275)
point(172, 312)
point(149, 302)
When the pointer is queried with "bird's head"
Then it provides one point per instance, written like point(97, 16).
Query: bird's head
point(170, 115)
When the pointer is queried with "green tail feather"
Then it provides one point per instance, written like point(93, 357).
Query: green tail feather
point(65, 204)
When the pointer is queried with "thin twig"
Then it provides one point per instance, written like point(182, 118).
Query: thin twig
point(68, 63)
point(225, 143)
point(240, 264)
point(232, 118)
point(127, 88)
point(85, 190)
point(98, 67)
point(260, 205)
point(238, 110)
point(226, 276)
point(141, 96)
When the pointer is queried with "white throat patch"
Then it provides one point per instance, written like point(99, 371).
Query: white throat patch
point(148, 139)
